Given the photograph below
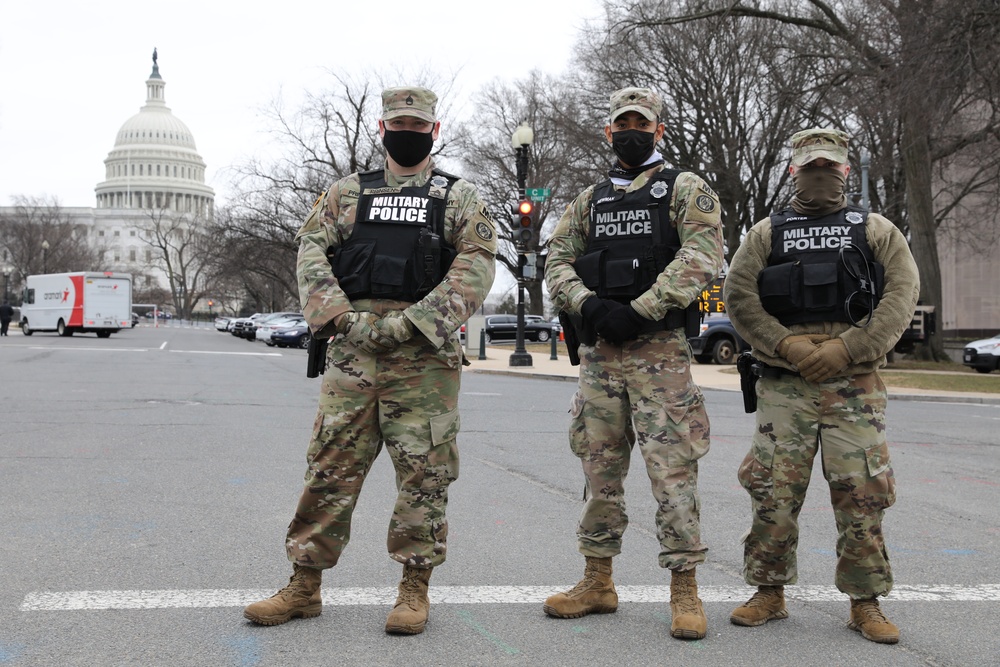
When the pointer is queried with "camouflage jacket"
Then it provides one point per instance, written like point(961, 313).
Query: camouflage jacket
point(867, 346)
point(467, 227)
point(696, 264)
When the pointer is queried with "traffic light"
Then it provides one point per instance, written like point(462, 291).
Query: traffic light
point(524, 222)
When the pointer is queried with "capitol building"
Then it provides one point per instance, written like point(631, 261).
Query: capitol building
point(154, 186)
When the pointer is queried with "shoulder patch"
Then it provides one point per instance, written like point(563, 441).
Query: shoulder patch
point(483, 231)
point(705, 203)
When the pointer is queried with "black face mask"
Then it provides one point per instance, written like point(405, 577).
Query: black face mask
point(406, 147)
point(633, 147)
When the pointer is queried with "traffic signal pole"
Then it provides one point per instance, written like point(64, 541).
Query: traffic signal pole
point(520, 357)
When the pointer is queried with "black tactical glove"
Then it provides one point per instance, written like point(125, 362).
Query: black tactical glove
point(621, 326)
point(596, 309)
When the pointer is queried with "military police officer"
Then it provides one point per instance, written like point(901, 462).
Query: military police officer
point(822, 291)
point(412, 255)
point(627, 262)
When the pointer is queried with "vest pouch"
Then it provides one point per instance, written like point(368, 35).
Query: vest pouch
point(588, 267)
point(819, 286)
point(647, 274)
point(779, 288)
point(388, 276)
point(620, 278)
point(352, 264)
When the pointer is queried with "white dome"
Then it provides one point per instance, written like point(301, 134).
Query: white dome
point(155, 125)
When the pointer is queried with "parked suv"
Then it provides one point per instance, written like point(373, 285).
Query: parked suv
point(718, 341)
point(504, 327)
point(983, 355)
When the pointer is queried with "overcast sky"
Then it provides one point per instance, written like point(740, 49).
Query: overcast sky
point(71, 73)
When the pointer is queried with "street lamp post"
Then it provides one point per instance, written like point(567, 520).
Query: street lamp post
point(45, 252)
point(521, 141)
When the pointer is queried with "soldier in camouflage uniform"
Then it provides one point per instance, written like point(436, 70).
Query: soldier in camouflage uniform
point(412, 254)
point(627, 262)
point(822, 292)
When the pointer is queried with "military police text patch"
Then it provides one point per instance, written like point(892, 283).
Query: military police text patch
point(704, 203)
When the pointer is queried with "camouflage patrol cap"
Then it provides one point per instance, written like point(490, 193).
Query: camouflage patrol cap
point(818, 142)
point(409, 101)
point(643, 100)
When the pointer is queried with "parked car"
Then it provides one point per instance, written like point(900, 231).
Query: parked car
point(266, 329)
point(241, 323)
point(718, 341)
point(250, 330)
point(222, 322)
point(135, 319)
point(504, 327)
point(159, 314)
point(983, 355)
point(294, 335)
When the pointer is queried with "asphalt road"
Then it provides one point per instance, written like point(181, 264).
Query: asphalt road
point(146, 482)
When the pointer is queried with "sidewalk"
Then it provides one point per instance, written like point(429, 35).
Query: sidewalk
point(707, 376)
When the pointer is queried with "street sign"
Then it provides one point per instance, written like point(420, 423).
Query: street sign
point(538, 194)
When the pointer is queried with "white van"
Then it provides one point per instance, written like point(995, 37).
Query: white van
point(80, 302)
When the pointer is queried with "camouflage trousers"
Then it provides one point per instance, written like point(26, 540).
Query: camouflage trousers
point(406, 400)
point(640, 392)
point(846, 418)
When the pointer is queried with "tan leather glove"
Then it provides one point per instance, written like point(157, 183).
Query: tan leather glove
point(796, 348)
point(831, 358)
point(396, 326)
point(358, 329)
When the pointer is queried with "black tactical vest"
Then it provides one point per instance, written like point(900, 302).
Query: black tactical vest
point(397, 248)
point(631, 241)
point(821, 269)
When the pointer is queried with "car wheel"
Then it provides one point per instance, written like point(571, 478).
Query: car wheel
point(304, 341)
point(982, 369)
point(489, 339)
point(104, 334)
point(724, 351)
point(62, 330)
point(25, 329)
point(703, 358)
point(543, 336)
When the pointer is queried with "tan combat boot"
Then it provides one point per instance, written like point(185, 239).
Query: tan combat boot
point(300, 598)
point(766, 604)
point(868, 619)
point(687, 616)
point(409, 615)
point(595, 594)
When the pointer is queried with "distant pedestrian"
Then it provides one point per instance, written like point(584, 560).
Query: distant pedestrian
point(821, 291)
point(6, 315)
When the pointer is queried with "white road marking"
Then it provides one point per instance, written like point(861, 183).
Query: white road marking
point(186, 599)
point(246, 354)
point(95, 349)
point(164, 345)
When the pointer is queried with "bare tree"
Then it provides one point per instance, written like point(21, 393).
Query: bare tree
point(39, 237)
point(180, 248)
point(933, 63)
